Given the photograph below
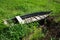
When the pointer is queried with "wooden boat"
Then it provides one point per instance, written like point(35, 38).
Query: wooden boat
point(27, 18)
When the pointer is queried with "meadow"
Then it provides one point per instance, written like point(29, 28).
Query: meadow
point(12, 8)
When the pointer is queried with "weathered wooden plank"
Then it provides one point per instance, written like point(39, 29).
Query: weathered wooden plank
point(20, 19)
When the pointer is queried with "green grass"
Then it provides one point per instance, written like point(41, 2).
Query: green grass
point(12, 8)
point(18, 7)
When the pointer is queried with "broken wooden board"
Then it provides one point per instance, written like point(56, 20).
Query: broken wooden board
point(27, 18)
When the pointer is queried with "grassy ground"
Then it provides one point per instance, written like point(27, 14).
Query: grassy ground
point(11, 8)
